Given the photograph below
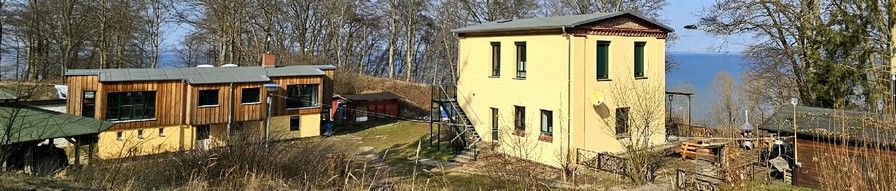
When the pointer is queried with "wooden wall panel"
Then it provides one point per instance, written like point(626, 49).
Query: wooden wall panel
point(249, 112)
point(279, 100)
point(328, 92)
point(169, 101)
point(77, 85)
point(813, 152)
point(172, 102)
point(210, 115)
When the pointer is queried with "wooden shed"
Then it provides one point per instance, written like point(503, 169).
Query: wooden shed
point(362, 106)
point(826, 138)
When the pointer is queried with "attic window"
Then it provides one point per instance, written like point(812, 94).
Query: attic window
point(504, 20)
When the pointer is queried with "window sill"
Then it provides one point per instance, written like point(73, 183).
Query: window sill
point(518, 78)
point(546, 138)
point(133, 120)
point(300, 108)
point(207, 106)
point(521, 133)
point(623, 136)
point(604, 80)
point(252, 103)
point(494, 76)
point(640, 78)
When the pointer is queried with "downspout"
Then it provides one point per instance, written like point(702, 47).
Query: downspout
point(180, 125)
point(568, 91)
point(189, 121)
point(230, 114)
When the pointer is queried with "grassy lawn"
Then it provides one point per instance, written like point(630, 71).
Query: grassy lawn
point(397, 140)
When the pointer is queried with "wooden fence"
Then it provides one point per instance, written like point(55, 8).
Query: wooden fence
point(600, 161)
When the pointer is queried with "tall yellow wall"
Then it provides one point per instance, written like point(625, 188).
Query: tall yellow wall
point(541, 89)
point(151, 143)
point(595, 126)
point(546, 86)
point(310, 127)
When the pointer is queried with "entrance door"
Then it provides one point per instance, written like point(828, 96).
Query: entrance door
point(202, 137)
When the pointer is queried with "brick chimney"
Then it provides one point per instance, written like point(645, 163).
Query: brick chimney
point(268, 60)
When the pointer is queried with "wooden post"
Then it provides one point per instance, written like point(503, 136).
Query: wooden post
point(77, 154)
point(29, 156)
point(90, 153)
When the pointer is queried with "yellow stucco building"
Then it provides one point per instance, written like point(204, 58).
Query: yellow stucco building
point(544, 88)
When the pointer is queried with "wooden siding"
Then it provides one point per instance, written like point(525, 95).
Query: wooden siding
point(169, 98)
point(172, 101)
point(279, 102)
point(77, 85)
point(811, 152)
point(249, 112)
point(328, 92)
point(210, 115)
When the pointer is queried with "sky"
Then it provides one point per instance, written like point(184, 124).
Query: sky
point(684, 12)
point(676, 14)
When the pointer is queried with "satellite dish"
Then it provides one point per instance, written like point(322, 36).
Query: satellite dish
point(597, 98)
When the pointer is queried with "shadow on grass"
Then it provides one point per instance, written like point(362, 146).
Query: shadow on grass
point(400, 155)
point(347, 127)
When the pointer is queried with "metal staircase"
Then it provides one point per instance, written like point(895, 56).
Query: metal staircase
point(465, 137)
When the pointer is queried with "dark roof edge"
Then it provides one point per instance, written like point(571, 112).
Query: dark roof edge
point(609, 15)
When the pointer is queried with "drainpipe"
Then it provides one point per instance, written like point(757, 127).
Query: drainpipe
point(180, 125)
point(568, 90)
point(230, 113)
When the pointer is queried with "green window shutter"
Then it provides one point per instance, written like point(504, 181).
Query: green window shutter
point(603, 61)
point(639, 59)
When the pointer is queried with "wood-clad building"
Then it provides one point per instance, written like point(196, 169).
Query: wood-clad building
point(830, 142)
point(175, 109)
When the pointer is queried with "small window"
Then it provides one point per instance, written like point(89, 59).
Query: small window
point(496, 58)
point(119, 136)
point(88, 105)
point(520, 59)
point(251, 95)
point(140, 134)
point(294, 123)
point(603, 60)
point(202, 132)
point(622, 122)
point(639, 59)
point(547, 123)
point(495, 124)
point(161, 132)
point(519, 118)
point(236, 128)
point(208, 98)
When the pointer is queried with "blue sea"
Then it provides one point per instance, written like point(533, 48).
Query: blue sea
point(699, 70)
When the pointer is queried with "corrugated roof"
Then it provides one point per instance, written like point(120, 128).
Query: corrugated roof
point(202, 75)
point(548, 23)
point(830, 123)
point(34, 124)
